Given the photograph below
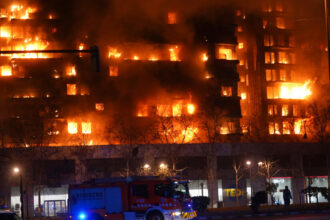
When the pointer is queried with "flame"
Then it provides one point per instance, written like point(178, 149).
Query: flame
point(72, 127)
point(189, 134)
point(285, 110)
point(81, 46)
point(240, 45)
point(86, 127)
point(225, 53)
point(243, 95)
point(174, 52)
point(153, 58)
point(142, 111)
point(28, 96)
point(297, 126)
point(191, 109)
point(171, 18)
point(177, 109)
point(5, 32)
point(226, 91)
point(50, 17)
point(5, 71)
point(286, 127)
point(283, 61)
point(113, 53)
point(30, 44)
point(274, 129)
point(99, 106)
point(205, 57)
point(135, 57)
point(208, 75)
point(296, 91)
point(20, 12)
point(71, 71)
point(113, 70)
point(164, 110)
point(224, 130)
point(71, 89)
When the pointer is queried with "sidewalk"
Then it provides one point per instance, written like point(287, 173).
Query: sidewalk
point(246, 212)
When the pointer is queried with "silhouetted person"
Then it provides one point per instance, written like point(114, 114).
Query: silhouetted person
point(286, 196)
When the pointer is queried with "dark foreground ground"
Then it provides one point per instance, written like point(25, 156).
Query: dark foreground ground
point(299, 212)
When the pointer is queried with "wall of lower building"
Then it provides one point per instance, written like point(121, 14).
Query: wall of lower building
point(66, 165)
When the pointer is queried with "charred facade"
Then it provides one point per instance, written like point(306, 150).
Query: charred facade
point(191, 86)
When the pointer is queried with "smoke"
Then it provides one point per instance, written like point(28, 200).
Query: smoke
point(143, 23)
point(112, 23)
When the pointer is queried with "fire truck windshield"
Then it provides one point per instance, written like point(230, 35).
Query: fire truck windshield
point(175, 189)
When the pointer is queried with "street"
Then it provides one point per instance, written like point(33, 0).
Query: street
point(296, 217)
point(281, 216)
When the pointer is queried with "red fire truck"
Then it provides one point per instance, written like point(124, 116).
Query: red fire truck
point(145, 198)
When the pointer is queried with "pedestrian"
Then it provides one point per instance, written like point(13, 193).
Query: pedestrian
point(286, 196)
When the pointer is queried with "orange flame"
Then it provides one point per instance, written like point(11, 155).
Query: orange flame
point(71, 71)
point(177, 109)
point(81, 46)
point(28, 45)
point(191, 109)
point(72, 127)
point(153, 58)
point(20, 12)
point(86, 127)
point(189, 134)
point(205, 57)
point(5, 71)
point(142, 111)
point(113, 53)
point(174, 52)
point(5, 32)
point(296, 91)
point(298, 126)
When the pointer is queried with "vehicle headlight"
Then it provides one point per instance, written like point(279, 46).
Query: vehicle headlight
point(176, 213)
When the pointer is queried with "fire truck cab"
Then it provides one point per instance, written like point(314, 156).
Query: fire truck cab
point(145, 198)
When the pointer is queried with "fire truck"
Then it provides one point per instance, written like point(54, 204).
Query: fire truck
point(145, 198)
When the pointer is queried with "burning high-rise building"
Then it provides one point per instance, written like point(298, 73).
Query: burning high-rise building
point(182, 68)
point(174, 78)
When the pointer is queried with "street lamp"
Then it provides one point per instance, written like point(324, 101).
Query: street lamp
point(248, 163)
point(16, 170)
point(163, 166)
point(146, 166)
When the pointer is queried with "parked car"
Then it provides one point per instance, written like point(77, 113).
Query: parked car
point(8, 215)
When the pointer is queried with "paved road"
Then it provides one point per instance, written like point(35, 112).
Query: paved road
point(290, 217)
point(323, 215)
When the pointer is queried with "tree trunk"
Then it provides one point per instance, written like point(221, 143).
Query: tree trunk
point(127, 168)
point(236, 189)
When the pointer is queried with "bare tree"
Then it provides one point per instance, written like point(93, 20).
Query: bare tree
point(129, 132)
point(175, 131)
point(318, 123)
point(269, 168)
point(239, 174)
point(210, 125)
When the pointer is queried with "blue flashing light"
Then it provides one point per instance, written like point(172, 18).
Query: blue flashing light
point(82, 216)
